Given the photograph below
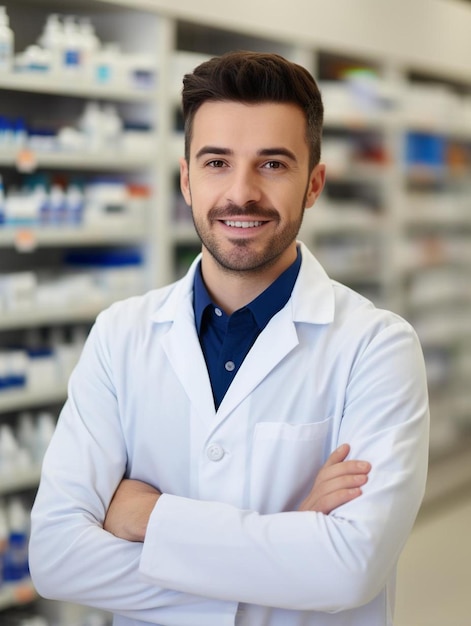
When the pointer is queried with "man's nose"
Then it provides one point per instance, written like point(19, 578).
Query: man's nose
point(245, 188)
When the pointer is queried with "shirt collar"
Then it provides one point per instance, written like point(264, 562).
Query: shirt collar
point(201, 297)
point(263, 307)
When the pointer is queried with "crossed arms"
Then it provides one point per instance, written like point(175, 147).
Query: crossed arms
point(338, 482)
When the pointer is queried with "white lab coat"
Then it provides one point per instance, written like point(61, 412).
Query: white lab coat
point(225, 544)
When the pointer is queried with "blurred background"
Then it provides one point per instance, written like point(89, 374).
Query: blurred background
point(90, 212)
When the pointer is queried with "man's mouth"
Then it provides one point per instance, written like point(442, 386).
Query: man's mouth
point(242, 224)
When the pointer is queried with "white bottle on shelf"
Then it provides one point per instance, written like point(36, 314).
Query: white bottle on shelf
point(107, 66)
point(16, 558)
point(52, 39)
point(91, 125)
point(2, 202)
point(75, 204)
point(112, 126)
point(26, 431)
point(8, 451)
point(4, 532)
point(72, 56)
point(57, 205)
point(89, 45)
point(6, 42)
point(44, 430)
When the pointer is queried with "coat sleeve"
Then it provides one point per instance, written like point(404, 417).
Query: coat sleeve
point(71, 557)
point(307, 560)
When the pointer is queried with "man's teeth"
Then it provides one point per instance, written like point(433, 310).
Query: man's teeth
point(237, 224)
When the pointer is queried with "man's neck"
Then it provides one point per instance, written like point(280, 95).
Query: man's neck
point(232, 290)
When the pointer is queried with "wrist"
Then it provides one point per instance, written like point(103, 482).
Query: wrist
point(148, 505)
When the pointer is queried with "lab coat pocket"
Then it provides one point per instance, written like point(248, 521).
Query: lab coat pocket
point(285, 461)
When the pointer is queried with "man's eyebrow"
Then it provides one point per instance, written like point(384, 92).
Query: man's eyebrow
point(213, 150)
point(267, 152)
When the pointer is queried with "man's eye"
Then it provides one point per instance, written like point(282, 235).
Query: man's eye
point(216, 163)
point(273, 165)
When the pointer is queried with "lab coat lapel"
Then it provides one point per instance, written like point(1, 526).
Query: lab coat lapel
point(272, 345)
point(182, 348)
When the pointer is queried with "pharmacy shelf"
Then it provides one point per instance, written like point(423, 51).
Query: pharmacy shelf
point(28, 238)
point(358, 172)
point(449, 473)
point(106, 160)
point(438, 220)
point(183, 233)
point(22, 479)
point(358, 123)
point(10, 320)
point(454, 130)
point(437, 333)
point(135, 160)
point(97, 6)
point(341, 220)
point(61, 86)
point(16, 594)
point(25, 399)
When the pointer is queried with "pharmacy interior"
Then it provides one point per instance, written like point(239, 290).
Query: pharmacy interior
point(90, 209)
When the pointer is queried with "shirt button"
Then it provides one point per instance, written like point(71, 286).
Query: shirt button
point(230, 366)
point(214, 452)
point(218, 312)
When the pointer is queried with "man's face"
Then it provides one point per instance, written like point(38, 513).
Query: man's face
point(248, 183)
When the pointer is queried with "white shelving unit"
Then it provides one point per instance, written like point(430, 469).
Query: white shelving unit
point(31, 237)
point(108, 161)
point(399, 232)
point(29, 246)
point(83, 89)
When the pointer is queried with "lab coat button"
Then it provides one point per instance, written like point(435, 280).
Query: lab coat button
point(214, 452)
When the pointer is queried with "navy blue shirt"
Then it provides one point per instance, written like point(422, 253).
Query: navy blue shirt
point(226, 339)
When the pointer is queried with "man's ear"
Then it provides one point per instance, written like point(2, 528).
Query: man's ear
point(316, 184)
point(185, 180)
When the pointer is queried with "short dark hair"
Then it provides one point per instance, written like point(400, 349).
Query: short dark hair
point(254, 77)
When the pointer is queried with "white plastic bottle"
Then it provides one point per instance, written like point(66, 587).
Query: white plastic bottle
point(107, 64)
point(26, 432)
point(91, 125)
point(75, 203)
point(16, 557)
point(112, 126)
point(41, 202)
point(44, 430)
point(4, 532)
point(2, 203)
point(72, 61)
point(8, 451)
point(57, 206)
point(52, 39)
point(6, 42)
point(89, 45)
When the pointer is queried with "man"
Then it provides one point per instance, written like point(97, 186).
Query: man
point(199, 475)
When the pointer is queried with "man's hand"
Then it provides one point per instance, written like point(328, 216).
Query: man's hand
point(337, 482)
point(130, 509)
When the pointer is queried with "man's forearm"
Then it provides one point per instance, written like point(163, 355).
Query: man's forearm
point(129, 511)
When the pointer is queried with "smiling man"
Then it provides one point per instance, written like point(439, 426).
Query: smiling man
point(248, 181)
point(247, 446)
